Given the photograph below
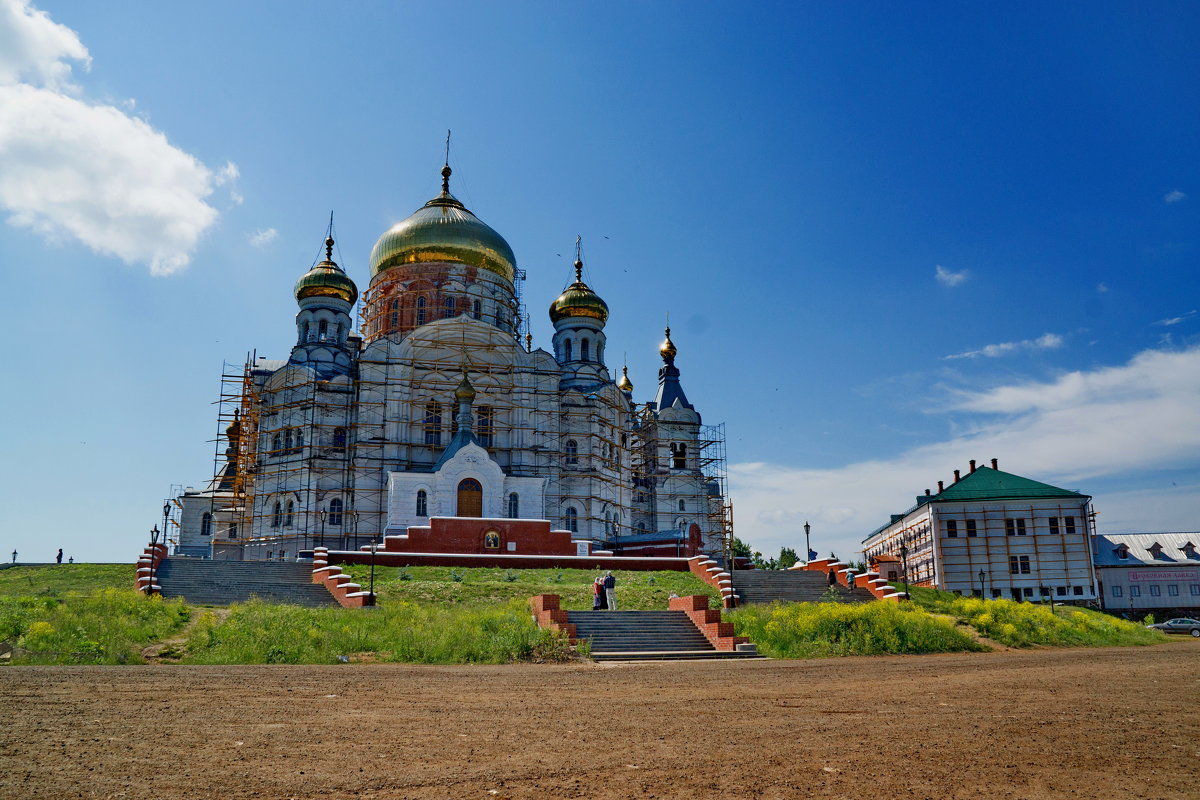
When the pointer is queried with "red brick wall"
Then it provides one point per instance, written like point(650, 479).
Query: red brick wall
point(385, 558)
point(467, 535)
point(340, 585)
point(708, 620)
point(147, 565)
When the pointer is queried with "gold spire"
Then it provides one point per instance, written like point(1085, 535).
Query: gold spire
point(327, 279)
point(625, 385)
point(667, 349)
point(465, 391)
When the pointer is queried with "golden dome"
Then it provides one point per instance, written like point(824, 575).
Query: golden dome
point(624, 384)
point(444, 230)
point(667, 349)
point(578, 300)
point(465, 391)
point(327, 280)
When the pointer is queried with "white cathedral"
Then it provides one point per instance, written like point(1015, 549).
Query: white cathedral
point(437, 406)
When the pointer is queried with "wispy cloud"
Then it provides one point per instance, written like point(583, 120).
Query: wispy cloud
point(263, 237)
point(1174, 196)
point(948, 277)
point(74, 169)
point(1047, 341)
point(1102, 287)
point(1176, 320)
point(1115, 421)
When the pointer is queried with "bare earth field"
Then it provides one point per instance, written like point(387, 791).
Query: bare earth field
point(1111, 723)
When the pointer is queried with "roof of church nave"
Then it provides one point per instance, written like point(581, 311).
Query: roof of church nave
point(444, 230)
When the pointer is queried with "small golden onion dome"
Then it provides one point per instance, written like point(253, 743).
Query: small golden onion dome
point(465, 391)
point(667, 349)
point(327, 279)
point(624, 384)
point(578, 300)
point(444, 230)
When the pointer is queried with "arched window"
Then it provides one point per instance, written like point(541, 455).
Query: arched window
point(304, 331)
point(335, 511)
point(206, 524)
point(287, 439)
point(232, 530)
point(277, 443)
point(433, 424)
point(599, 350)
point(583, 350)
point(422, 503)
point(420, 311)
point(572, 520)
point(299, 438)
point(572, 451)
point(322, 331)
point(289, 517)
point(681, 506)
point(680, 460)
point(470, 498)
point(514, 506)
point(477, 309)
point(339, 438)
point(448, 307)
point(395, 316)
point(567, 350)
point(277, 515)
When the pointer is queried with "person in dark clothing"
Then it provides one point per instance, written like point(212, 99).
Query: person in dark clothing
point(610, 591)
point(58, 558)
point(832, 578)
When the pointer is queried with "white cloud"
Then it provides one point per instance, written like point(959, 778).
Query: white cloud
point(1109, 422)
point(1102, 287)
point(1047, 341)
point(948, 277)
point(1176, 320)
point(1174, 196)
point(72, 169)
point(35, 48)
point(263, 237)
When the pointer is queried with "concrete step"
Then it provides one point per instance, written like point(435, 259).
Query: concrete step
point(221, 583)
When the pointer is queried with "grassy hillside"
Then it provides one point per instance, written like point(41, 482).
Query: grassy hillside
point(58, 579)
point(636, 591)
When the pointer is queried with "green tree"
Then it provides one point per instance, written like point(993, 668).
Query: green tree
point(741, 549)
point(787, 558)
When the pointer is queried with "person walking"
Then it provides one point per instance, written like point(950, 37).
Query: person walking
point(610, 590)
point(58, 558)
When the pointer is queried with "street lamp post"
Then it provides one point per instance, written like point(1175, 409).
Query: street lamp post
point(982, 575)
point(807, 546)
point(321, 535)
point(904, 565)
point(166, 519)
point(371, 594)
point(153, 553)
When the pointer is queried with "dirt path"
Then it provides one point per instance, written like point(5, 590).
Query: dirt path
point(170, 650)
point(1110, 723)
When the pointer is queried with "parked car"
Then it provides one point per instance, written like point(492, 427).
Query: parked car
point(1179, 625)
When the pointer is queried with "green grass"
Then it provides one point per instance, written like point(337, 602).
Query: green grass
point(110, 626)
point(402, 631)
point(1027, 624)
point(58, 579)
point(814, 630)
point(636, 591)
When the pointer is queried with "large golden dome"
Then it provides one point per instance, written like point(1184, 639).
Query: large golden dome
point(578, 300)
point(444, 230)
point(327, 279)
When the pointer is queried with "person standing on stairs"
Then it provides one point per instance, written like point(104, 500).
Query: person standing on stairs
point(598, 603)
point(610, 590)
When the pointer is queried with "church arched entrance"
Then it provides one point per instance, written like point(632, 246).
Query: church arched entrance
point(470, 498)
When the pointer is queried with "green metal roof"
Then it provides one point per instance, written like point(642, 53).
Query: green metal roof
point(992, 484)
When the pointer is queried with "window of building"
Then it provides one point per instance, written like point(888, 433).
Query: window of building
point(977, 593)
point(572, 520)
point(486, 426)
point(270, 555)
point(952, 528)
point(1122, 552)
point(339, 438)
point(337, 337)
point(514, 506)
point(1018, 565)
point(335, 511)
point(433, 424)
point(1014, 527)
point(304, 331)
point(1069, 525)
point(476, 309)
point(1061, 591)
point(1135, 591)
point(1044, 591)
point(206, 529)
point(572, 451)
point(276, 443)
point(682, 506)
point(394, 319)
point(277, 515)
point(232, 530)
point(1194, 589)
point(1054, 526)
point(1117, 591)
point(971, 528)
point(1156, 590)
point(1173, 589)
point(420, 311)
point(448, 307)
point(1077, 590)
point(996, 593)
point(583, 350)
point(289, 517)
point(287, 439)
point(1028, 591)
point(679, 456)
point(567, 350)
point(323, 331)
point(422, 503)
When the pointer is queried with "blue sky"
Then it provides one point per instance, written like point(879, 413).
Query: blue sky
point(891, 239)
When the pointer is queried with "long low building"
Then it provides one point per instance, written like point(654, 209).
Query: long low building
point(994, 534)
point(1147, 571)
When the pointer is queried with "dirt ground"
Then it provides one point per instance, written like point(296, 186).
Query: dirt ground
point(1113, 723)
